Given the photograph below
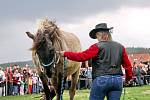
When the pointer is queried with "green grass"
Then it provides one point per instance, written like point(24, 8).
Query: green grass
point(131, 93)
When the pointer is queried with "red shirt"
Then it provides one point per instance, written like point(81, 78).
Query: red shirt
point(92, 52)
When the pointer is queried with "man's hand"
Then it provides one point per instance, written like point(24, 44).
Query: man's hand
point(60, 52)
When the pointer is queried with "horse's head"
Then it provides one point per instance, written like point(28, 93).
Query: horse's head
point(43, 43)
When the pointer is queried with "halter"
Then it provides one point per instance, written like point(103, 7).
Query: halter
point(54, 61)
point(46, 65)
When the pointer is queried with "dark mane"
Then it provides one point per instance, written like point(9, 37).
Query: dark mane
point(48, 28)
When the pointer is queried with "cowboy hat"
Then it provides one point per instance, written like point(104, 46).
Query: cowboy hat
point(98, 28)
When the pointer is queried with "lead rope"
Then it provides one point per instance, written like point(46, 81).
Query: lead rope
point(124, 92)
point(63, 75)
point(124, 89)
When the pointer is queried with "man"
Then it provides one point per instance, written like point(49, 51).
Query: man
point(137, 74)
point(107, 58)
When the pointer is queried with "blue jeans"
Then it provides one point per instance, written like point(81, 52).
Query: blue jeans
point(34, 88)
point(15, 90)
point(139, 80)
point(108, 85)
point(10, 89)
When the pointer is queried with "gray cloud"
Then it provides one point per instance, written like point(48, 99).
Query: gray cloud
point(62, 10)
point(16, 15)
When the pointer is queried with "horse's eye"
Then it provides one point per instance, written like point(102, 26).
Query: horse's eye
point(46, 31)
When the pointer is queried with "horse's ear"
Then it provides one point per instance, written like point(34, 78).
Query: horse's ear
point(30, 35)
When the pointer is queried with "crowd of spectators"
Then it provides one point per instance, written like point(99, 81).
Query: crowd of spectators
point(141, 73)
point(16, 80)
point(85, 77)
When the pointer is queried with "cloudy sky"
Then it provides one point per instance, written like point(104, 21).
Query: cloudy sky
point(130, 19)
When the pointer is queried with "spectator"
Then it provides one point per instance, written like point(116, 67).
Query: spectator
point(22, 83)
point(88, 74)
point(25, 77)
point(2, 80)
point(35, 79)
point(16, 82)
point(30, 83)
point(137, 74)
point(148, 74)
point(10, 81)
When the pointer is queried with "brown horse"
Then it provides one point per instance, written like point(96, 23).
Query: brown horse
point(49, 39)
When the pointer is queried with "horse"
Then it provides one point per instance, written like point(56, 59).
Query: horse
point(46, 42)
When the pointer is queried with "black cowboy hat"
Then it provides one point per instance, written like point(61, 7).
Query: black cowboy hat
point(99, 27)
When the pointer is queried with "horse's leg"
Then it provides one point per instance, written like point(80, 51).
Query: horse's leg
point(49, 92)
point(58, 84)
point(44, 80)
point(74, 81)
point(52, 92)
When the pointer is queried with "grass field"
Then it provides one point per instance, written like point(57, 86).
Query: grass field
point(131, 93)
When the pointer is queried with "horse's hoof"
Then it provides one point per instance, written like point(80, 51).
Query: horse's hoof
point(43, 97)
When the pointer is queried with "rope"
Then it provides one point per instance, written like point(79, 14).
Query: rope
point(124, 90)
point(62, 82)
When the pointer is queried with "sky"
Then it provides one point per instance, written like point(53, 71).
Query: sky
point(130, 19)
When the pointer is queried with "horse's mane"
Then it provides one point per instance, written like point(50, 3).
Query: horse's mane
point(52, 32)
point(46, 24)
